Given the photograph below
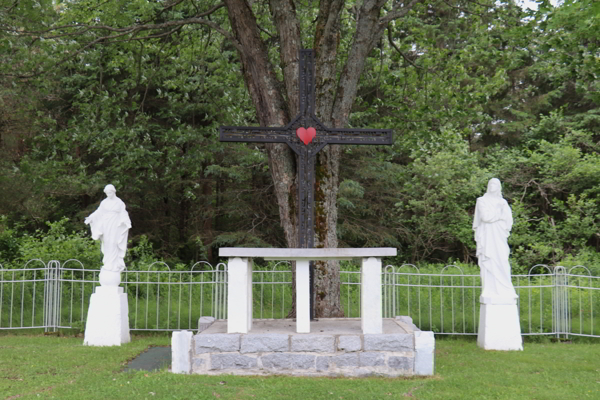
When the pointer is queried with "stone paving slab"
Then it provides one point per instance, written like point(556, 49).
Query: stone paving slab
point(325, 326)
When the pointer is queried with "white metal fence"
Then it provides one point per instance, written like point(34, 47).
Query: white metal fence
point(56, 295)
point(552, 301)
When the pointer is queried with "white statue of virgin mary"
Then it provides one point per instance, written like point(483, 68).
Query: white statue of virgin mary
point(110, 224)
point(492, 224)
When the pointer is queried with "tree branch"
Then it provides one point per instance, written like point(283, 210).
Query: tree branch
point(288, 29)
point(133, 30)
point(391, 41)
point(463, 9)
point(369, 30)
point(326, 45)
point(191, 20)
point(398, 11)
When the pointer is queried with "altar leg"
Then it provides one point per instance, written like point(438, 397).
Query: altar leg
point(370, 296)
point(302, 297)
point(239, 295)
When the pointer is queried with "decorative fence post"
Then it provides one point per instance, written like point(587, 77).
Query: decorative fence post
point(52, 296)
point(560, 303)
point(220, 291)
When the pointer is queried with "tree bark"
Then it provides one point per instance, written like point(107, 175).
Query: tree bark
point(271, 108)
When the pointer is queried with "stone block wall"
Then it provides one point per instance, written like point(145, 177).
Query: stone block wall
point(309, 354)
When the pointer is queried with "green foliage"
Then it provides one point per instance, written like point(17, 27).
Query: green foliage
point(471, 91)
point(58, 244)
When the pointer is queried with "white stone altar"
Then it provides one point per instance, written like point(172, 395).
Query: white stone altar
point(239, 294)
point(369, 346)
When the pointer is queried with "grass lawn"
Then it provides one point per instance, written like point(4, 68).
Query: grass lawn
point(34, 367)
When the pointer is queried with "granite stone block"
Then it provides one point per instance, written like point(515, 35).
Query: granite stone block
point(346, 360)
point(269, 342)
point(198, 363)
point(289, 361)
point(233, 361)
point(217, 343)
point(405, 363)
point(313, 343)
point(323, 363)
point(367, 359)
point(349, 343)
point(389, 342)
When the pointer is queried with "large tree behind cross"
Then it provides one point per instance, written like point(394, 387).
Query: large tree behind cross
point(334, 97)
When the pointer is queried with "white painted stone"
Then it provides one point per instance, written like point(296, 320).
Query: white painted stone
point(424, 353)
point(302, 297)
point(109, 278)
point(239, 297)
point(492, 223)
point(370, 296)
point(181, 352)
point(110, 225)
point(307, 254)
point(499, 326)
point(108, 318)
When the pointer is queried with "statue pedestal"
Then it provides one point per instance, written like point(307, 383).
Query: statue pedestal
point(499, 326)
point(108, 318)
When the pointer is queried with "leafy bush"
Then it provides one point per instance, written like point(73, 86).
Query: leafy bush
point(58, 244)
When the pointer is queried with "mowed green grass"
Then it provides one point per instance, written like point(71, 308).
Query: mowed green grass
point(34, 367)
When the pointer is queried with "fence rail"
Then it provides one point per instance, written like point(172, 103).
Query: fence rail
point(552, 301)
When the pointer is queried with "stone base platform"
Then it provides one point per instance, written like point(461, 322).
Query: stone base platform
point(335, 347)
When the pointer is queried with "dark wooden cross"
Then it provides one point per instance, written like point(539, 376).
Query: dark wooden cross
point(306, 136)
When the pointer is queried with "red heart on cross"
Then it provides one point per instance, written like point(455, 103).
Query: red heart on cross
point(306, 135)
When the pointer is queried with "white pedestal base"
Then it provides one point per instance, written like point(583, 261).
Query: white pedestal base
point(108, 318)
point(499, 326)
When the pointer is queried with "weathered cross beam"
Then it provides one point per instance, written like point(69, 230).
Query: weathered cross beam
point(306, 136)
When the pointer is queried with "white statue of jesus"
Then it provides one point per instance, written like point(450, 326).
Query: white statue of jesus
point(110, 224)
point(492, 224)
